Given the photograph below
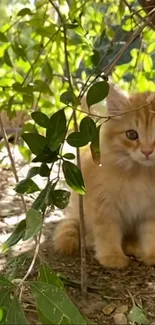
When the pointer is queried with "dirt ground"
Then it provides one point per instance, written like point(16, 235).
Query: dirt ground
point(110, 293)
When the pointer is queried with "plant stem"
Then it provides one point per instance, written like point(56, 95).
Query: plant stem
point(11, 160)
point(81, 205)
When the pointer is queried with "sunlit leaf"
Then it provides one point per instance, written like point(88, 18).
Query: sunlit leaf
point(33, 223)
point(26, 186)
point(147, 63)
point(1, 314)
point(73, 177)
point(97, 92)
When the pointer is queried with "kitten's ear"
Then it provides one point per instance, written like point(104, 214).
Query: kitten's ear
point(117, 101)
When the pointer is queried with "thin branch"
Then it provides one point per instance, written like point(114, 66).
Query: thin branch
point(109, 67)
point(36, 252)
point(11, 160)
point(81, 205)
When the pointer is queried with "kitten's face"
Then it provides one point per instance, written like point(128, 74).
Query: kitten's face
point(131, 137)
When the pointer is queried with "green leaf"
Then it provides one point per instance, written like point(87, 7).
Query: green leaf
point(40, 201)
point(71, 26)
point(26, 186)
point(76, 139)
point(3, 38)
point(33, 172)
point(136, 315)
point(147, 63)
point(69, 156)
point(34, 223)
point(28, 98)
point(55, 304)
point(40, 118)
point(17, 86)
point(25, 152)
point(6, 59)
point(35, 142)
point(68, 97)
point(73, 177)
point(47, 156)
point(15, 314)
point(88, 128)
point(95, 147)
point(5, 301)
point(47, 70)
point(97, 92)
point(25, 11)
point(15, 237)
point(4, 282)
point(19, 50)
point(95, 58)
point(42, 87)
point(60, 198)
point(1, 314)
point(44, 170)
point(47, 275)
point(56, 130)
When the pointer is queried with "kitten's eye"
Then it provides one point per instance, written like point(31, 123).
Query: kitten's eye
point(132, 135)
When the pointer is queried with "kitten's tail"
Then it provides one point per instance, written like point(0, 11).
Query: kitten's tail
point(66, 237)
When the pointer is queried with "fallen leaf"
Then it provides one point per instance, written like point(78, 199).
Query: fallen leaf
point(120, 319)
point(121, 309)
point(108, 309)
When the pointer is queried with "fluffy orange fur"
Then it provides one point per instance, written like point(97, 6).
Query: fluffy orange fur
point(119, 204)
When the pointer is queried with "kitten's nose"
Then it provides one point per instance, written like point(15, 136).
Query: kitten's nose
point(147, 153)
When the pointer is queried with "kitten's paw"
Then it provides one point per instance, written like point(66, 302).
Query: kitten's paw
point(114, 261)
point(149, 260)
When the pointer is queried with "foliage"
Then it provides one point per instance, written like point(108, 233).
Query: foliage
point(50, 56)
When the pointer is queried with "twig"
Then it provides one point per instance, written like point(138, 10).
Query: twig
point(31, 265)
point(81, 205)
point(11, 159)
point(109, 67)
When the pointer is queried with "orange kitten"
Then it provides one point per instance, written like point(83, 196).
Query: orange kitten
point(119, 204)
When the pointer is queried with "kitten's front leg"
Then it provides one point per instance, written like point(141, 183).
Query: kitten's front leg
point(147, 239)
point(108, 243)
